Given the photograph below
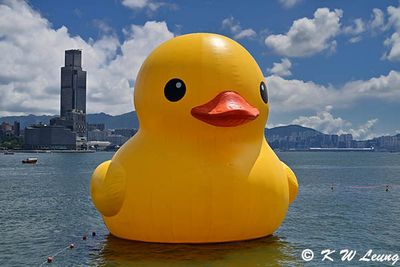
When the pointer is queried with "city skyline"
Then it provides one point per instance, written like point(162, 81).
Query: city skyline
point(329, 66)
point(68, 131)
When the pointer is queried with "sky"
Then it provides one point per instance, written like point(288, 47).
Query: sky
point(329, 65)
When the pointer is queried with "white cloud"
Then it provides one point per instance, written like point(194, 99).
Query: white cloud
point(135, 3)
point(33, 52)
point(103, 26)
point(355, 29)
point(246, 33)
point(281, 69)
point(325, 122)
point(142, 4)
point(309, 36)
point(376, 24)
point(289, 3)
point(364, 131)
point(355, 39)
point(382, 87)
point(295, 95)
point(234, 28)
point(393, 42)
point(306, 36)
point(394, 17)
point(377, 21)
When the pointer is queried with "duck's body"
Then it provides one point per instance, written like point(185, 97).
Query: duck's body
point(187, 181)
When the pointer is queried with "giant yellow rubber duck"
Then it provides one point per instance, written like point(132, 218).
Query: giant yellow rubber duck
point(199, 169)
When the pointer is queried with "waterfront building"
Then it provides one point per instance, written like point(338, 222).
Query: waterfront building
point(97, 135)
point(98, 145)
point(125, 132)
point(345, 140)
point(9, 130)
point(43, 136)
point(94, 126)
point(6, 130)
point(116, 139)
point(388, 143)
point(335, 140)
point(17, 128)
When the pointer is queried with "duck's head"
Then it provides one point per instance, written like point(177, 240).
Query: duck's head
point(202, 84)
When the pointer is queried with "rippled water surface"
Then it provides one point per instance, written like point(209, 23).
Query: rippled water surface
point(342, 204)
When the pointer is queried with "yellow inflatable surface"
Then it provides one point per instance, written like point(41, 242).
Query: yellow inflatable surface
point(199, 169)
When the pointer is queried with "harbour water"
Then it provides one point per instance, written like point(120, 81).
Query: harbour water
point(342, 204)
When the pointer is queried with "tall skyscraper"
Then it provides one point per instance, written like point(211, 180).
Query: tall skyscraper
point(73, 84)
point(73, 95)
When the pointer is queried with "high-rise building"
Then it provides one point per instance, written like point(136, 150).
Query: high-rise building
point(16, 128)
point(73, 84)
point(73, 95)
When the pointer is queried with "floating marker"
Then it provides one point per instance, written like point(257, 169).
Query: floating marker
point(84, 237)
point(93, 233)
point(71, 246)
point(49, 259)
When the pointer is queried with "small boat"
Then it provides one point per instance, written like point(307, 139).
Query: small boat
point(8, 153)
point(30, 160)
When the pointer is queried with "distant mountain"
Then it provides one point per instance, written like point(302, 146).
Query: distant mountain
point(27, 119)
point(126, 120)
point(291, 130)
point(295, 137)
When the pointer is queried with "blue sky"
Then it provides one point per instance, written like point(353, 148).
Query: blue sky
point(330, 65)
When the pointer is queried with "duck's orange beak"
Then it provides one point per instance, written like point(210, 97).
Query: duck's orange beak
point(227, 109)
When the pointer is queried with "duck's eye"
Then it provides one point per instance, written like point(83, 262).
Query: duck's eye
point(174, 90)
point(263, 92)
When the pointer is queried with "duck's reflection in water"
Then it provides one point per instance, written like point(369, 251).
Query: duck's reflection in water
point(268, 251)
